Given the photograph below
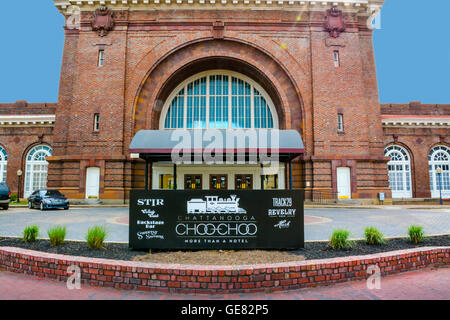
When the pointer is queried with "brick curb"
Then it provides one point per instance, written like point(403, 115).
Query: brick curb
point(219, 279)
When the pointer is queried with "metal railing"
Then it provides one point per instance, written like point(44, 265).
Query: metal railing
point(324, 197)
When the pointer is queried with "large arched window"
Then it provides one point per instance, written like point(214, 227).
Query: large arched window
point(36, 169)
point(219, 99)
point(3, 164)
point(439, 157)
point(399, 171)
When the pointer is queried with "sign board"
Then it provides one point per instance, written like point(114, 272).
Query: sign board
point(212, 220)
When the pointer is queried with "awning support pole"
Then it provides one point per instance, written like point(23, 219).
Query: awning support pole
point(290, 173)
point(146, 174)
point(262, 177)
point(175, 176)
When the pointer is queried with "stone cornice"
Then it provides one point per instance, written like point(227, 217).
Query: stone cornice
point(397, 121)
point(27, 120)
point(362, 7)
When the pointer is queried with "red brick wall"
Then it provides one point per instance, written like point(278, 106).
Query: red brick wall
point(417, 140)
point(216, 279)
point(416, 108)
point(18, 140)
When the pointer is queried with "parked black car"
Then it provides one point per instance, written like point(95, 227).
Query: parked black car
point(48, 199)
point(5, 196)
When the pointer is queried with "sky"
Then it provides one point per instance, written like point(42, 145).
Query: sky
point(412, 51)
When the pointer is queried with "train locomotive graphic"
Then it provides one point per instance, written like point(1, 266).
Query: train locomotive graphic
point(214, 204)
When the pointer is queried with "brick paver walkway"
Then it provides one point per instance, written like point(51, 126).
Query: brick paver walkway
point(430, 284)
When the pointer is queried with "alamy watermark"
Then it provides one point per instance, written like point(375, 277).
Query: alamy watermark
point(374, 21)
point(74, 281)
point(238, 146)
point(374, 281)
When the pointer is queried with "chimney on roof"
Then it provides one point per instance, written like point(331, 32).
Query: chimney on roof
point(21, 104)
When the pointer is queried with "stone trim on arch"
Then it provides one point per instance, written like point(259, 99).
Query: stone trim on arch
point(150, 97)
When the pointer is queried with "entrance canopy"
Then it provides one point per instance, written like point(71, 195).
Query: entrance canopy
point(164, 145)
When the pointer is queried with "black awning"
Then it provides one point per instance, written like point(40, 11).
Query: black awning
point(160, 145)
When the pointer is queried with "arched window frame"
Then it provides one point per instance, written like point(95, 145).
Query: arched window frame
point(254, 86)
point(439, 157)
point(36, 168)
point(3, 164)
point(400, 171)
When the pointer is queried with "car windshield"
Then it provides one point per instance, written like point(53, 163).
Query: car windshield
point(53, 193)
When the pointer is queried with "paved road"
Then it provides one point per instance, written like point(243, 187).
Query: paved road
point(392, 221)
point(432, 284)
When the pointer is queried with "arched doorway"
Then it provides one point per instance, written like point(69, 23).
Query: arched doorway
point(439, 160)
point(36, 168)
point(399, 168)
point(256, 68)
point(218, 99)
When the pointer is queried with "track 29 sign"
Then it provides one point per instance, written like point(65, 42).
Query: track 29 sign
point(203, 219)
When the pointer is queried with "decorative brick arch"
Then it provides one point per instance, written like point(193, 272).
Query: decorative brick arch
point(209, 54)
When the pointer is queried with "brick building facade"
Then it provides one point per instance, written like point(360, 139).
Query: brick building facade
point(124, 63)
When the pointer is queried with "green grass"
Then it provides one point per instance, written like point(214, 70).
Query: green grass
point(30, 233)
point(416, 234)
point(21, 203)
point(96, 236)
point(373, 236)
point(339, 240)
point(57, 235)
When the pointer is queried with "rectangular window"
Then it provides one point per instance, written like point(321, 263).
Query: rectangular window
point(340, 122)
point(96, 122)
point(101, 57)
point(336, 59)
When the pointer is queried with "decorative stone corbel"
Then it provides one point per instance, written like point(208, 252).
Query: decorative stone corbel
point(102, 21)
point(335, 24)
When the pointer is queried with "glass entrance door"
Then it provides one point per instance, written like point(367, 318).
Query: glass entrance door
point(243, 182)
point(192, 182)
point(218, 182)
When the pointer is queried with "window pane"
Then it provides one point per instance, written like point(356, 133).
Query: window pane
point(213, 91)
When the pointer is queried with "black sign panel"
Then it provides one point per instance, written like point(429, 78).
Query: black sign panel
point(204, 219)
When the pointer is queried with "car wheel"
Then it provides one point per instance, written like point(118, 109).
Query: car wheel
point(42, 207)
point(66, 208)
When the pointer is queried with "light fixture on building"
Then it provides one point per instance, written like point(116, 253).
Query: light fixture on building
point(439, 172)
point(19, 174)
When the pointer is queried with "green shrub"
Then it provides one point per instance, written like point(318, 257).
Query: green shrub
point(13, 197)
point(30, 233)
point(339, 240)
point(415, 234)
point(57, 235)
point(373, 236)
point(96, 236)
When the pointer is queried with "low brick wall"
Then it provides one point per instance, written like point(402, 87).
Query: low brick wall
point(218, 279)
